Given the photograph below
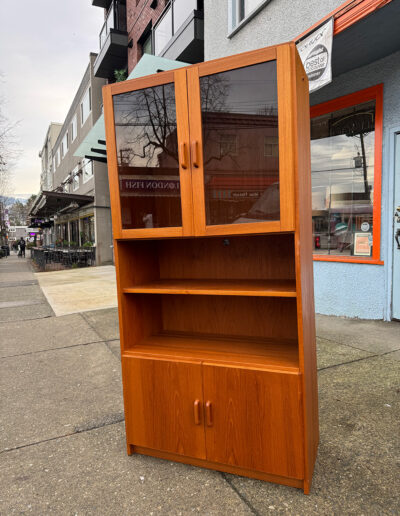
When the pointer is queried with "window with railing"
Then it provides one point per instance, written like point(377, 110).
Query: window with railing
point(171, 21)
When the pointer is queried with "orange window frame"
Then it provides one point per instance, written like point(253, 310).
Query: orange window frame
point(359, 97)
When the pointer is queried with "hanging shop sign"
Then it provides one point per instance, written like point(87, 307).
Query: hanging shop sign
point(316, 55)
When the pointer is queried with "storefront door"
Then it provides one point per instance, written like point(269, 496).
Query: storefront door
point(396, 228)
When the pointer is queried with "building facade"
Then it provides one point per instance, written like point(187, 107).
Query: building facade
point(172, 29)
point(355, 140)
point(15, 233)
point(73, 207)
point(46, 155)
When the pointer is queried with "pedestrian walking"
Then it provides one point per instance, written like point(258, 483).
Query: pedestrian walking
point(22, 245)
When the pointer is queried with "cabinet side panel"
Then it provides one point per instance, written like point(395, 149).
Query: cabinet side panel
point(138, 262)
point(304, 274)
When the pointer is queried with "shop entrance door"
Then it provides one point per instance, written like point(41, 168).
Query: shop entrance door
point(396, 230)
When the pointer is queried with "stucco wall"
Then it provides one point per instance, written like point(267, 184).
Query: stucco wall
point(263, 30)
point(357, 290)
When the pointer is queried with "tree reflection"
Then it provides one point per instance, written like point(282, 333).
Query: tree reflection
point(148, 119)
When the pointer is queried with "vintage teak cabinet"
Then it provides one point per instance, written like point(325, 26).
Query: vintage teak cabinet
point(210, 186)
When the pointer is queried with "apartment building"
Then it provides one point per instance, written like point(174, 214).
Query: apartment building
point(171, 29)
point(46, 155)
point(73, 207)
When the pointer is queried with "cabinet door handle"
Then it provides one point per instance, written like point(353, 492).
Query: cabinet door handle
point(195, 153)
point(209, 413)
point(184, 157)
point(196, 407)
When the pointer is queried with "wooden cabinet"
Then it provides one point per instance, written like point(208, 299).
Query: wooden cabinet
point(160, 394)
point(210, 189)
point(253, 419)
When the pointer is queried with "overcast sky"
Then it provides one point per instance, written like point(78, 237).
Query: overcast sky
point(44, 51)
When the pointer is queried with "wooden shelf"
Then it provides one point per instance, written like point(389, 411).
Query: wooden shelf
point(273, 354)
point(214, 287)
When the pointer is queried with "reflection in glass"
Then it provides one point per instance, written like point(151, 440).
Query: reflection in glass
point(147, 154)
point(240, 145)
point(342, 171)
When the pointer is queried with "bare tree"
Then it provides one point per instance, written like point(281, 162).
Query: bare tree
point(8, 155)
point(9, 152)
point(148, 120)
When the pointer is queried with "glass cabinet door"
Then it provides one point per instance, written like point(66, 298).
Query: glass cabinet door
point(236, 175)
point(152, 155)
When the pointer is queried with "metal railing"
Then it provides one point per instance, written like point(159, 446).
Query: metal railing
point(108, 24)
point(170, 22)
point(65, 257)
point(115, 19)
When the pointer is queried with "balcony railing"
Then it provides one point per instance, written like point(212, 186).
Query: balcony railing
point(171, 21)
point(108, 24)
point(115, 19)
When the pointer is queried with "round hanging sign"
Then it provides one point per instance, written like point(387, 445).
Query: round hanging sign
point(316, 62)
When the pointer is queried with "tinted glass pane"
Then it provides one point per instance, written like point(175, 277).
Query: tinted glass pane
point(240, 142)
point(163, 32)
point(342, 171)
point(147, 154)
point(182, 9)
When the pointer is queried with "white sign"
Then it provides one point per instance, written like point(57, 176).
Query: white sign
point(316, 55)
point(365, 226)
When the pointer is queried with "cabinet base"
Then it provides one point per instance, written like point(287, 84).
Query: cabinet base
point(291, 482)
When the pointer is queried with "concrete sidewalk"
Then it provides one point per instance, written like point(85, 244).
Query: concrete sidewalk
point(79, 290)
point(62, 440)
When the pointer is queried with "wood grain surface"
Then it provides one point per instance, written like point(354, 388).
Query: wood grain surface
point(256, 420)
point(159, 411)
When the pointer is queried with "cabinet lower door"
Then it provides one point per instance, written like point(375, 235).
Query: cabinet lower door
point(163, 401)
point(253, 420)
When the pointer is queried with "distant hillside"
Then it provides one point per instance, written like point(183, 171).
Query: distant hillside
point(19, 197)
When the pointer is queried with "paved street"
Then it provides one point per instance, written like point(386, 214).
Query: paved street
point(62, 441)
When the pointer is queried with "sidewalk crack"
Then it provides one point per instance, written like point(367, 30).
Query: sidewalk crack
point(53, 349)
point(356, 360)
point(78, 430)
point(240, 495)
point(342, 344)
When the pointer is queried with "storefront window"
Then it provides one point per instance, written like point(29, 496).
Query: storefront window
point(74, 233)
point(342, 172)
point(61, 233)
point(87, 234)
